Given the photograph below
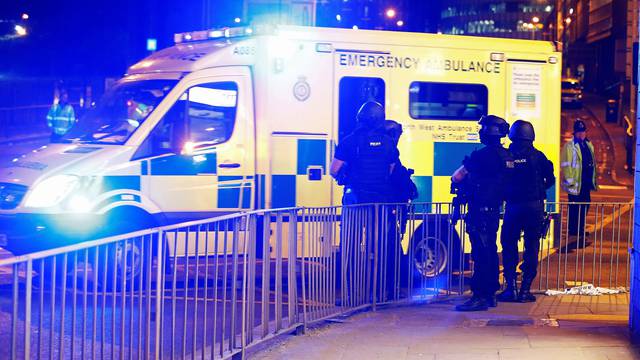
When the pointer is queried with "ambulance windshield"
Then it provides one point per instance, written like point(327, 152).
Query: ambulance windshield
point(120, 112)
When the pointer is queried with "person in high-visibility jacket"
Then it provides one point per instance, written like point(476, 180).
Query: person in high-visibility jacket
point(578, 164)
point(61, 117)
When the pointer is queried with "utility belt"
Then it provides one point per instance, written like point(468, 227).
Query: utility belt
point(359, 196)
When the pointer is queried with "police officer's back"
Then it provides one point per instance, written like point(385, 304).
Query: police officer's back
point(532, 176)
point(482, 178)
point(366, 157)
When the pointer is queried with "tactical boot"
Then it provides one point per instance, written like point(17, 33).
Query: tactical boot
point(492, 301)
point(510, 293)
point(525, 293)
point(476, 303)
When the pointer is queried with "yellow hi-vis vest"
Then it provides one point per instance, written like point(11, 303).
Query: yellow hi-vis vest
point(61, 118)
point(571, 165)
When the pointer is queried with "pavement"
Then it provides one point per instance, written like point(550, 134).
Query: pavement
point(555, 327)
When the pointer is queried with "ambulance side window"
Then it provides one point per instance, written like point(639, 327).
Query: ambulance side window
point(204, 116)
point(167, 136)
point(211, 113)
point(447, 101)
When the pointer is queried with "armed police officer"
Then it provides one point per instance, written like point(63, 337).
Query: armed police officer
point(363, 163)
point(482, 178)
point(524, 212)
point(364, 160)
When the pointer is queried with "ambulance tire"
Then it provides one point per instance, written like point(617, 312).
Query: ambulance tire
point(117, 270)
point(62, 272)
point(436, 251)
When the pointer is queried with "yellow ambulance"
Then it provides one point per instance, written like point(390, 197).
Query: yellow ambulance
point(247, 118)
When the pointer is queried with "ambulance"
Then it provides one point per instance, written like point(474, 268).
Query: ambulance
point(244, 118)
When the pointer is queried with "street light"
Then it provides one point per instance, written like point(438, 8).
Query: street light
point(20, 30)
point(400, 23)
point(339, 17)
point(237, 20)
point(567, 20)
point(535, 19)
point(25, 16)
point(391, 13)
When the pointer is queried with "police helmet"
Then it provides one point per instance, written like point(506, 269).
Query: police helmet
point(522, 130)
point(371, 114)
point(492, 125)
point(579, 126)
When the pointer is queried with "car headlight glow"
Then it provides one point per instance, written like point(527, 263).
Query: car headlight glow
point(51, 191)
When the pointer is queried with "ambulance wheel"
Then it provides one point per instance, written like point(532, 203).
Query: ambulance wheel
point(435, 251)
point(125, 264)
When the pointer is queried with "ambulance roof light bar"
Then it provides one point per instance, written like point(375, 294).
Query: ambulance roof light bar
point(224, 33)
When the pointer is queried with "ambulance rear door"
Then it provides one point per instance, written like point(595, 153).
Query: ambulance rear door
point(360, 76)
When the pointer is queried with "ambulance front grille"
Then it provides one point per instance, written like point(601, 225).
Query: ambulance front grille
point(11, 195)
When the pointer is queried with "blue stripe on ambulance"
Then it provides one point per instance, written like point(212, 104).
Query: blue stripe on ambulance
point(144, 167)
point(425, 186)
point(117, 182)
point(551, 193)
point(185, 165)
point(229, 188)
point(283, 191)
point(448, 156)
point(311, 152)
point(246, 196)
point(228, 197)
point(261, 186)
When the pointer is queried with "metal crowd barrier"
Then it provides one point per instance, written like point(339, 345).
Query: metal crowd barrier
point(215, 288)
point(23, 120)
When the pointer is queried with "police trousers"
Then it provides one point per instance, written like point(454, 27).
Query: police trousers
point(578, 212)
point(482, 227)
point(363, 230)
point(527, 217)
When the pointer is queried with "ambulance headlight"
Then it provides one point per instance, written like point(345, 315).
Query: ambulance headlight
point(51, 191)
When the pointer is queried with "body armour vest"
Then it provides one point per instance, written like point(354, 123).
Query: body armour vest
point(529, 179)
point(373, 160)
point(489, 172)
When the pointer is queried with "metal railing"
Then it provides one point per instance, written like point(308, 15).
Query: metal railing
point(215, 288)
point(24, 120)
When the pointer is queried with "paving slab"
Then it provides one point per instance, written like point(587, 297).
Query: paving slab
point(435, 331)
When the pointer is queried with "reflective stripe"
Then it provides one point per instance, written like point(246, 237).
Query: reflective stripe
point(565, 163)
point(569, 180)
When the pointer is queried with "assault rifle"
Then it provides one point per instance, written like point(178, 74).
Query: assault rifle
point(460, 200)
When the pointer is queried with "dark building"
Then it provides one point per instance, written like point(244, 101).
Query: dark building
point(599, 38)
point(522, 19)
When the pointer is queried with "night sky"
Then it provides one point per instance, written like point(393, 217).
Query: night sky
point(73, 38)
point(97, 39)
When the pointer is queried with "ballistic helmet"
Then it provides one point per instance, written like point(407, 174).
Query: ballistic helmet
point(579, 126)
point(371, 114)
point(522, 130)
point(494, 126)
